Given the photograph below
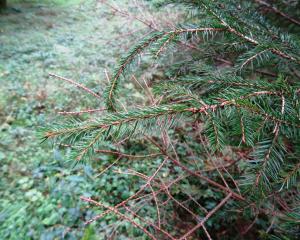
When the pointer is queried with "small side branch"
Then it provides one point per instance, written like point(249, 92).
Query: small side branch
point(277, 11)
point(118, 213)
point(200, 224)
point(78, 85)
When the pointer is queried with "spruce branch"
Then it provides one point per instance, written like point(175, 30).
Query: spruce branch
point(84, 151)
point(255, 56)
point(124, 62)
point(166, 37)
point(245, 122)
point(253, 41)
point(290, 178)
point(212, 9)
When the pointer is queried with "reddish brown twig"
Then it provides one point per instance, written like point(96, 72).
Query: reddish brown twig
point(193, 173)
point(200, 224)
point(185, 208)
point(113, 209)
point(150, 223)
point(78, 85)
point(277, 11)
point(127, 155)
point(131, 197)
point(82, 111)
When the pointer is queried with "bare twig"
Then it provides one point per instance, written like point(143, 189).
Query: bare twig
point(83, 111)
point(127, 155)
point(193, 173)
point(207, 217)
point(75, 84)
point(277, 11)
point(118, 213)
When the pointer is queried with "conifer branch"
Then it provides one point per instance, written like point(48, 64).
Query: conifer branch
point(290, 177)
point(140, 47)
point(248, 121)
point(124, 62)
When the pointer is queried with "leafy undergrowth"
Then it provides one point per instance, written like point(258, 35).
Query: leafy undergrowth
point(39, 187)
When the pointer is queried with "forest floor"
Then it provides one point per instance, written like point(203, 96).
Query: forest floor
point(39, 191)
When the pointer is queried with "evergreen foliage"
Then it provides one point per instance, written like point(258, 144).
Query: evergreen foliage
point(239, 85)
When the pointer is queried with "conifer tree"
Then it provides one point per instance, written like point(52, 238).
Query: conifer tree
point(235, 88)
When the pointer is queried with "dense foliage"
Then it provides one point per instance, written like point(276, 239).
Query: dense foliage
point(221, 128)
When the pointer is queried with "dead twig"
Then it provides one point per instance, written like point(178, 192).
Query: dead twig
point(207, 217)
point(78, 85)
